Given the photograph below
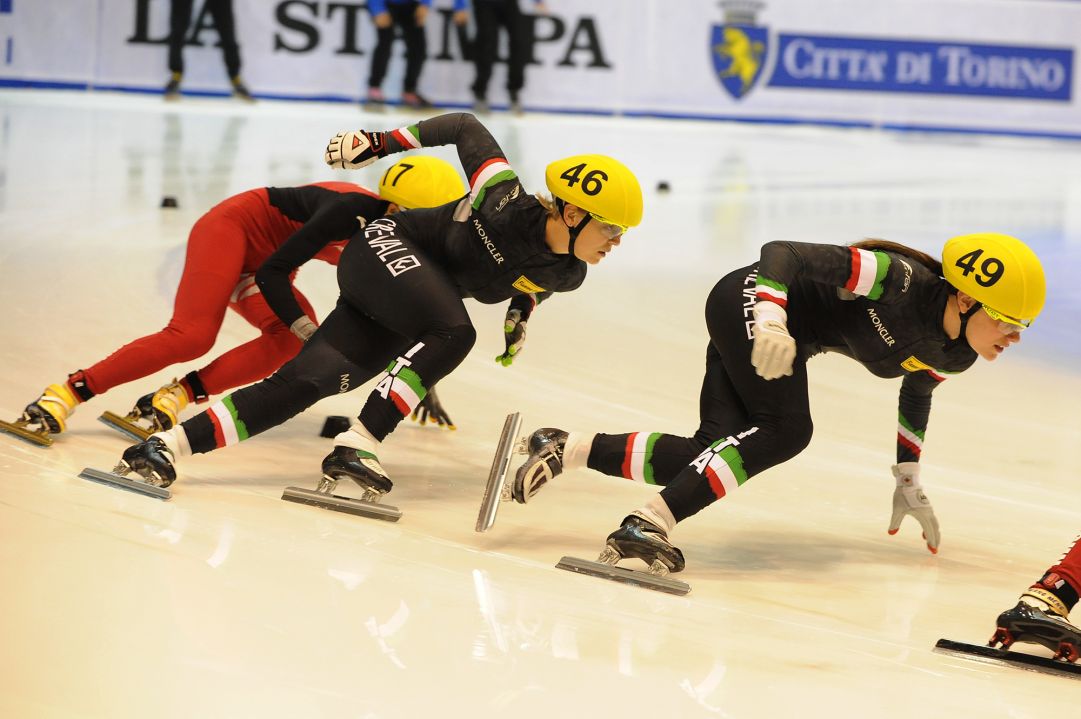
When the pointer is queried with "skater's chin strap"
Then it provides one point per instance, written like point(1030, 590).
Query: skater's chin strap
point(960, 339)
point(572, 231)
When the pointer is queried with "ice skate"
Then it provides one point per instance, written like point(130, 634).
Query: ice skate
point(155, 412)
point(151, 462)
point(496, 490)
point(545, 463)
point(44, 417)
point(1035, 621)
point(363, 468)
point(636, 538)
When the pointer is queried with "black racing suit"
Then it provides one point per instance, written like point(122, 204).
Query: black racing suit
point(402, 280)
point(749, 424)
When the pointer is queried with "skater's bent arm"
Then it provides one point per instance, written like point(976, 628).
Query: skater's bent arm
point(874, 274)
point(335, 219)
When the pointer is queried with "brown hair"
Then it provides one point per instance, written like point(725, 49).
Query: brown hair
point(897, 248)
point(548, 204)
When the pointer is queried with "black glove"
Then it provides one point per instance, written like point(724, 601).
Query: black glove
point(431, 410)
point(514, 325)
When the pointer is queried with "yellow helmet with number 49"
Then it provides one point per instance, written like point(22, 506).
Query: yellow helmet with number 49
point(600, 185)
point(421, 181)
point(998, 271)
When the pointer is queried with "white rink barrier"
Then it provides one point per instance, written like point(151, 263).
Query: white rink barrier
point(975, 65)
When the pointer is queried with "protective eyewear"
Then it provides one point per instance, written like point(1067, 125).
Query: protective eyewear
point(1006, 325)
point(610, 230)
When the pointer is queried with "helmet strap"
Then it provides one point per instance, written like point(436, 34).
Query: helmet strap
point(965, 317)
point(572, 231)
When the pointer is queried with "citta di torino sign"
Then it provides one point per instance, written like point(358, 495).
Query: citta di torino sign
point(740, 47)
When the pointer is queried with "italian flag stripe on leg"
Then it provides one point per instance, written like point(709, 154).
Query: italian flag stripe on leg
point(228, 427)
point(408, 137)
point(868, 270)
point(725, 471)
point(771, 291)
point(492, 172)
point(638, 456)
point(406, 390)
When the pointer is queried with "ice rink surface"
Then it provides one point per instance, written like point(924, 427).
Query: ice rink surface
point(227, 602)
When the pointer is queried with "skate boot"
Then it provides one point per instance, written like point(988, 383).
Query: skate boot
point(152, 460)
point(545, 463)
point(155, 412)
point(358, 465)
point(45, 416)
point(642, 539)
point(1037, 619)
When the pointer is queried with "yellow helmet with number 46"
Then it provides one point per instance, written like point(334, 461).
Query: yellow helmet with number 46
point(421, 181)
point(600, 185)
point(998, 271)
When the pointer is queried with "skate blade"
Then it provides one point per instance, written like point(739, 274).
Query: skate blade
point(497, 475)
point(347, 505)
point(34, 438)
point(115, 480)
point(624, 575)
point(125, 426)
point(1021, 660)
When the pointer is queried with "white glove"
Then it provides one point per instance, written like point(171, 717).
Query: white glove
point(303, 328)
point(909, 498)
point(774, 349)
point(356, 149)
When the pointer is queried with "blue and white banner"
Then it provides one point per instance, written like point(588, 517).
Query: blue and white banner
point(984, 65)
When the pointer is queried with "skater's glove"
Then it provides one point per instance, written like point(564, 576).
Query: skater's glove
point(431, 410)
point(514, 326)
point(909, 499)
point(303, 328)
point(356, 149)
point(774, 349)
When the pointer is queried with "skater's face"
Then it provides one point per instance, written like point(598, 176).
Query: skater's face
point(596, 239)
point(988, 336)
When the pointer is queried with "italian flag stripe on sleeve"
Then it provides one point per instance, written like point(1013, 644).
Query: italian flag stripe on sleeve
point(725, 471)
point(868, 270)
point(408, 137)
point(909, 436)
point(228, 427)
point(769, 290)
point(638, 456)
point(406, 390)
point(492, 172)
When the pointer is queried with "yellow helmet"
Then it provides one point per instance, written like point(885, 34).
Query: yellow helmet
point(421, 181)
point(998, 271)
point(600, 185)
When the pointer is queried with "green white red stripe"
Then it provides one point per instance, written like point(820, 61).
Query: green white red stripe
point(228, 427)
point(408, 137)
point(868, 270)
point(638, 457)
point(492, 172)
point(725, 470)
point(909, 436)
point(406, 390)
point(771, 291)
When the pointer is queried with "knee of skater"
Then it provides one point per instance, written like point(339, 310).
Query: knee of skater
point(461, 339)
point(192, 344)
point(797, 431)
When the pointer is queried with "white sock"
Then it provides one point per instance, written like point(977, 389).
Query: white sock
point(657, 512)
point(576, 450)
point(357, 437)
point(176, 439)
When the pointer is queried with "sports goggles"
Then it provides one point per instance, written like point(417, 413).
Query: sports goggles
point(1006, 325)
point(610, 230)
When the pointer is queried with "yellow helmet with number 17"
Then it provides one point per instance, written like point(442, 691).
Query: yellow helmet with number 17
point(600, 185)
point(998, 271)
point(421, 181)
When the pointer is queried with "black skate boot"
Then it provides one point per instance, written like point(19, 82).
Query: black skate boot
point(640, 538)
point(152, 460)
point(1028, 623)
point(545, 463)
point(361, 467)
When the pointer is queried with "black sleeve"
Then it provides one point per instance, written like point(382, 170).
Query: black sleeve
point(335, 217)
